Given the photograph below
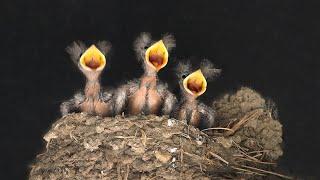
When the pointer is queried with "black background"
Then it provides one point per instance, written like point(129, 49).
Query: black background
point(271, 46)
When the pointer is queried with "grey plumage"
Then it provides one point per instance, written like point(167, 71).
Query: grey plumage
point(72, 104)
point(106, 96)
point(75, 49)
point(121, 95)
point(209, 116)
point(208, 69)
point(169, 99)
point(169, 41)
point(183, 68)
point(141, 44)
point(104, 47)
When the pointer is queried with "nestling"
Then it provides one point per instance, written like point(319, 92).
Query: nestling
point(91, 62)
point(193, 83)
point(147, 95)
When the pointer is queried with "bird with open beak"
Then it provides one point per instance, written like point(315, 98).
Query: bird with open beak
point(147, 95)
point(91, 62)
point(193, 83)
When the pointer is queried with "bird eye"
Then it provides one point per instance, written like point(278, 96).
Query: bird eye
point(184, 76)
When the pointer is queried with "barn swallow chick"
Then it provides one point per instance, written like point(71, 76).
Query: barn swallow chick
point(147, 95)
point(91, 62)
point(193, 83)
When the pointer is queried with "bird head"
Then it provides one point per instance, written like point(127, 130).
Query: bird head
point(194, 82)
point(157, 55)
point(91, 61)
point(154, 54)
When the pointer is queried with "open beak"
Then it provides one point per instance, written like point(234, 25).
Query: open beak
point(157, 55)
point(92, 59)
point(195, 83)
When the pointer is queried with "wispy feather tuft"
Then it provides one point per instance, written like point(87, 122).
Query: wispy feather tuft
point(75, 50)
point(183, 69)
point(208, 69)
point(169, 41)
point(141, 44)
point(104, 46)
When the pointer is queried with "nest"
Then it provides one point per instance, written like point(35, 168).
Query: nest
point(252, 120)
point(80, 146)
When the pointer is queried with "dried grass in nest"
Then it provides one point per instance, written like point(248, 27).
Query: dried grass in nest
point(80, 146)
point(252, 120)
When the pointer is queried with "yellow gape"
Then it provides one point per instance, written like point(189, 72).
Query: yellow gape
point(195, 83)
point(92, 59)
point(157, 55)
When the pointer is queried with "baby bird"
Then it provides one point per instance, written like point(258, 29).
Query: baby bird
point(91, 62)
point(192, 85)
point(148, 95)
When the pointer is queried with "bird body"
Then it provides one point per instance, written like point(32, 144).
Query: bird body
point(95, 102)
point(189, 111)
point(147, 95)
point(146, 99)
point(192, 85)
point(196, 114)
point(91, 61)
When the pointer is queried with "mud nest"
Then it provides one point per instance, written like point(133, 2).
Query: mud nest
point(246, 144)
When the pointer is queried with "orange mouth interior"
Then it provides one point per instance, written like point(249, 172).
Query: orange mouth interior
point(93, 63)
point(156, 58)
point(93, 59)
point(157, 55)
point(195, 83)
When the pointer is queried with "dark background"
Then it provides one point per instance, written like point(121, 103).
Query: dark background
point(271, 46)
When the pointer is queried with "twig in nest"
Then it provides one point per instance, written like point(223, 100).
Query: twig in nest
point(200, 165)
point(217, 128)
point(184, 135)
point(127, 173)
point(261, 151)
point(192, 155)
point(259, 162)
point(231, 121)
point(72, 136)
point(253, 114)
point(144, 138)
point(198, 157)
point(248, 171)
point(129, 137)
point(268, 172)
point(253, 158)
point(181, 150)
point(119, 171)
point(124, 137)
point(219, 157)
point(239, 147)
point(258, 155)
